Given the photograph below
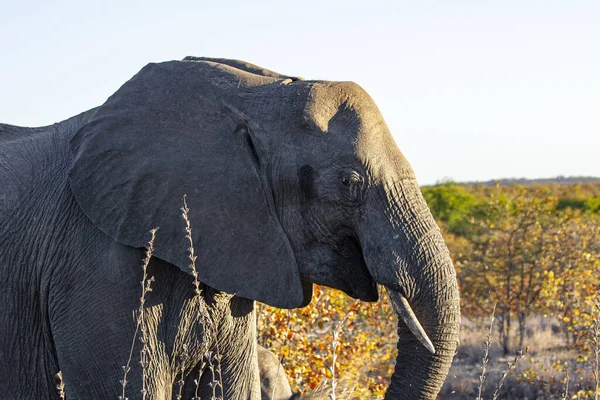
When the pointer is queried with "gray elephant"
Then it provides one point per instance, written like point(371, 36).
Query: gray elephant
point(288, 182)
point(274, 383)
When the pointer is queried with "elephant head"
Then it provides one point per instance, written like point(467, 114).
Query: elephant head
point(290, 182)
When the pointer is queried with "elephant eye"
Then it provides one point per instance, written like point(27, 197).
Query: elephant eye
point(348, 181)
point(351, 179)
point(353, 183)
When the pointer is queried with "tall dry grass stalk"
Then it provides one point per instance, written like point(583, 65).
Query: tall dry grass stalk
point(60, 386)
point(197, 380)
point(191, 253)
point(486, 359)
point(336, 331)
point(182, 360)
point(596, 341)
point(565, 394)
point(197, 288)
point(511, 366)
point(218, 383)
point(281, 357)
point(140, 324)
point(204, 317)
point(334, 346)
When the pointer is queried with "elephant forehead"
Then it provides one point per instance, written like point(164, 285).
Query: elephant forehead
point(327, 101)
point(345, 109)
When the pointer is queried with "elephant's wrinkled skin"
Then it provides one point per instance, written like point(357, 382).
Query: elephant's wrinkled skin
point(274, 383)
point(289, 183)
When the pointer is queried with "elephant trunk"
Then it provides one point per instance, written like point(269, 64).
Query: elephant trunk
point(423, 360)
point(414, 265)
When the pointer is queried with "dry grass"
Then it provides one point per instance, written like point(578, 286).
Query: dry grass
point(543, 372)
point(217, 383)
point(486, 356)
point(60, 386)
point(140, 325)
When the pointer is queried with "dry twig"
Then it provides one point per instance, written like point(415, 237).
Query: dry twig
point(565, 394)
point(336, 330)
point(203, 313)
point(596, 340)
point(140, 325)
point(486, 360)
point(60, 386)
point(511, 366)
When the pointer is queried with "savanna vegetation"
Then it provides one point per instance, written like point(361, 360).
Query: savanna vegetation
point(528, 263)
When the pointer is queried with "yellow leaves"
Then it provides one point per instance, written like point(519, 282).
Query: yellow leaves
point(528, 375)
point(366, 349)
point(559, 366)
point(284, 351)
point(583, 394)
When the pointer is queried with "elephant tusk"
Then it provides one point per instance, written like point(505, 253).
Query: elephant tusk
point(404, 311)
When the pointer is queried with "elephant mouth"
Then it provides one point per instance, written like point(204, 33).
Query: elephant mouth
point(359, 282)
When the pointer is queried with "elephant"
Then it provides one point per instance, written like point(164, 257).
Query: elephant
point(288, 182)
point(274, 383)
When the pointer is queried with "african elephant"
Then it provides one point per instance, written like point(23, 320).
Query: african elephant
point(289, 183)
point(274, 383)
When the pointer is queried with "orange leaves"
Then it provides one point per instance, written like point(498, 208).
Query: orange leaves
point(366, 346)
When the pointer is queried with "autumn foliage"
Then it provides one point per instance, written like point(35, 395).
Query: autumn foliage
point(304, 338)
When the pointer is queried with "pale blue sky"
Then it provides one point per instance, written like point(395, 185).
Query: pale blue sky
point(471, 90)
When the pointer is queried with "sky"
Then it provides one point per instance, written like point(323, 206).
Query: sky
point(471, 90)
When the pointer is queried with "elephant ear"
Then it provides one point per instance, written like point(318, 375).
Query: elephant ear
point(166, 134)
